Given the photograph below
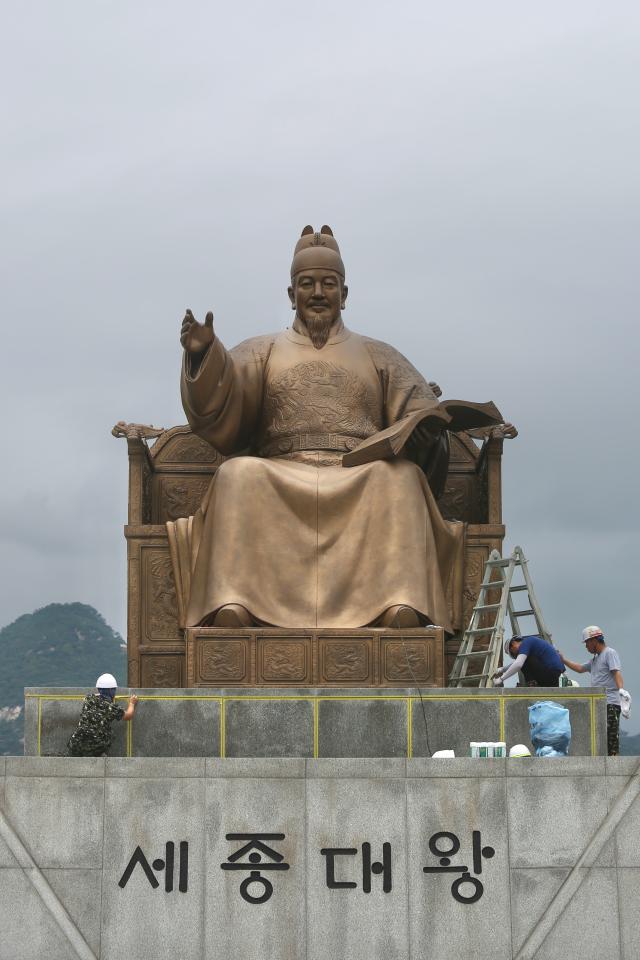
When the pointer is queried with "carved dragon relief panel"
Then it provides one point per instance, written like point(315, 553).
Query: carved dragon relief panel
point(222, 660)
point(345, 659)
point(265, 658)
point(283, 660)
point(458, 499)
point(180, 496)
point(162, 671)
point(410, 660)
point(473, 572)
point(160, 602)
point(189, 449)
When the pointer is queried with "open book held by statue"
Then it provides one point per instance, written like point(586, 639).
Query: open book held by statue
point(324, 515)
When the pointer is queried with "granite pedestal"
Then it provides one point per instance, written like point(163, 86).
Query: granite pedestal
point(315, 722)
point(283, 859)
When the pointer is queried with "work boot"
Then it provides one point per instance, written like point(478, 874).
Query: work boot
point(233, 616)
point(399, 617)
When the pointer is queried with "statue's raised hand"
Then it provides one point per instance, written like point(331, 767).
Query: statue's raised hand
point(195, 337)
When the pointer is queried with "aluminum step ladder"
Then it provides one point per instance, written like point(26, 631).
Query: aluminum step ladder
point(498, 575)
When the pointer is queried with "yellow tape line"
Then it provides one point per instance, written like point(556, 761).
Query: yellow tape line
point(315, 700)
point(39, 725)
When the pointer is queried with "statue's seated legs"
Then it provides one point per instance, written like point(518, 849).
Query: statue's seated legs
point(399, 617)
point(237, 617)
point(232, 615)
point(297, 545)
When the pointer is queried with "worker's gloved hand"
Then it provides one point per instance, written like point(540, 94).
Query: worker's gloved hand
point(625, 703)
point(497, 681)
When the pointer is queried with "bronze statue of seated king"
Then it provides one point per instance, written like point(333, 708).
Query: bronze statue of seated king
point(288, 534)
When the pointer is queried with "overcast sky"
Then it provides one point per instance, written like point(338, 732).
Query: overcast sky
point(478, 162)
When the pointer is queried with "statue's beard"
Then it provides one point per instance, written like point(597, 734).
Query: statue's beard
point(318, 328)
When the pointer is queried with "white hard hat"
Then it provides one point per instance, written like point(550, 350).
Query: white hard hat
point(106, 682)
point(519, 750)
point(507, 643)
point(591, 632)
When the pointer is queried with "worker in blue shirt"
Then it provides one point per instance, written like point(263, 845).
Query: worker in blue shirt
point(538, 660)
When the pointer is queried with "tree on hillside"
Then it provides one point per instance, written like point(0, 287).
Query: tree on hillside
point(62, 644)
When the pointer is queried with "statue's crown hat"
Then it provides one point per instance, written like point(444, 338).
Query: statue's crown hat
point(317, 250)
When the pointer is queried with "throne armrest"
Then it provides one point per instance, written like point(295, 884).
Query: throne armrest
point(140, 477)
point(490, 475)
point(140, 467)
point(472, 491)
point(168, 479)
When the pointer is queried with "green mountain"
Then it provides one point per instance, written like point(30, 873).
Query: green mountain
point(61, 645)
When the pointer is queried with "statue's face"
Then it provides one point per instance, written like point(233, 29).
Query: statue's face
point(318, 294)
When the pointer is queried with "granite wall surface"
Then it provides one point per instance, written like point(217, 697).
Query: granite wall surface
point(327, 722)
point(152, 858)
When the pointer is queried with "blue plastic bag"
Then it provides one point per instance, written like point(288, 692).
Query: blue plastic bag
point(550, 729)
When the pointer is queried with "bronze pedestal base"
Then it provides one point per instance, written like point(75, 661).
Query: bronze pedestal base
point(276, 657)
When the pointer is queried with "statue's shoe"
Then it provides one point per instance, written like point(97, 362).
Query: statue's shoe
point(399, 617)
point(233, 616)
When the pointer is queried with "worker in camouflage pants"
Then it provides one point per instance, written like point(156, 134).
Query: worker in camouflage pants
point(93, 735)
point(613, 729)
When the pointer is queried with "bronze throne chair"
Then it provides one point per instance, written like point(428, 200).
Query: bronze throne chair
point(168, 480)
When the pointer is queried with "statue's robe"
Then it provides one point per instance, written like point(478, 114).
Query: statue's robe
point(288, 532)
